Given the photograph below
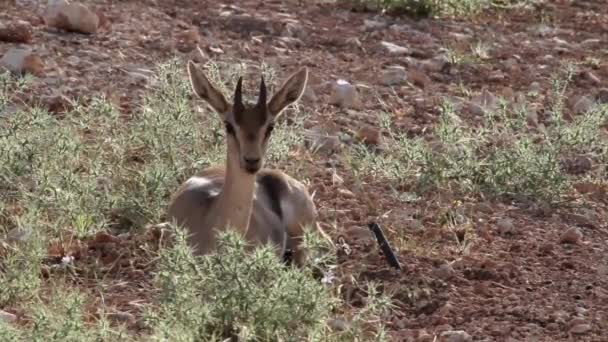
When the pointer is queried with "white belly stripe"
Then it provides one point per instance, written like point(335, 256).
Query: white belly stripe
point(197, 182)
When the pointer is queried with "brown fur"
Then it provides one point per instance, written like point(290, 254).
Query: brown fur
point(266, 206)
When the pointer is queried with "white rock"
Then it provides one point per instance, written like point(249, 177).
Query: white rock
point(394, 49)
point(73, 17)
point(455, 336)
point(583, 105)
point(344, 95)
point(7, 316)
point(572, 235)
point(371, 25)
point(22, 60)
point(394, 75)
point(580, 329)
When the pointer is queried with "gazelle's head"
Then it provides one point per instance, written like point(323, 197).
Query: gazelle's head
point(248, 127)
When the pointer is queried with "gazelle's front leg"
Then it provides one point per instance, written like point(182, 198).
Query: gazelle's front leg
point(295, 235)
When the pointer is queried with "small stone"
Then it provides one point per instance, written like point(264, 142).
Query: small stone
point(602, 96)
point(496, 76)
point(419, 79)
point(444, 272)
point(18, 235)
point(369, 135)
point(371, 25)
point(571, 236)
point(123, 317)
point(344, 95)
point(437, 63)
point(7, 316)
point(534, 87)
point(580, 329)
point(188, 40)
point(71, 17)
point(16, 32)
point(592, 78)
point(319, 141)
point(394, 75)
point(22, 60)
point(455, 336)
point(338, 324)
point(505, 226)
point(394, 49)
point(546, 248)
point(582, 105)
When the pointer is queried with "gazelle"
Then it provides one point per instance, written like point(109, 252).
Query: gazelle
point(263, 205)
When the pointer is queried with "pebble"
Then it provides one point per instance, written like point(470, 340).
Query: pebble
point(394, 75)
point(71, 17)
point(571, 236)
point(21, 61)
point(580, 329)
point(394, 49)
point(7, 316)
point(344, 95)
point(582, 105)
point(505, 226)
point(444, 272)
point(455, 336)
point(602, 96)
point(16, 32)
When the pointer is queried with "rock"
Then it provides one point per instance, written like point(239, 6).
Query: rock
point(455, 336)
point(496, 76)
point(187, 41)
point(486, 100)
point(371, 25)
point(583, 105)
point(122, 317)
point(505, 226)
point(369, 135)
point(16, 32)
point(444, 272)
point(580, 329)
point(394, 49)
point(319, 141)
point(590, 76)
point(345, 95)
point(22, 60)
point(18, 235)
point(571, 236)
point(436, 64)
point(534, 87)
point(7, 316)
point(394, 75)
point(602, 96)
point(71, 17)
point(338, 324)
point(419, 79)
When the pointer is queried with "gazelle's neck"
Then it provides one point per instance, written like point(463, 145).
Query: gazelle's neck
point(236, 199)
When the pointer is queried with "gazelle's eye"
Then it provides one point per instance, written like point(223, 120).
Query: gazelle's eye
point(229, 128)
point(269, 130)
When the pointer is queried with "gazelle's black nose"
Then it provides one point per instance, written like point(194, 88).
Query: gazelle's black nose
point(252, 164)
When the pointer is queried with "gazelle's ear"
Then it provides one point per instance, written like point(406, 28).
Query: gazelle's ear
point(206, 91)
point(289, 93)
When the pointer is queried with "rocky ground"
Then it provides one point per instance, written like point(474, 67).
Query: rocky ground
point(519, 280)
